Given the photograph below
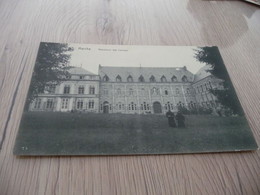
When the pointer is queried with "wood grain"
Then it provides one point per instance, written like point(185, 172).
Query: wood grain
point(232, 25)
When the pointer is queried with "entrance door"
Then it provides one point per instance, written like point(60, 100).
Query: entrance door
point(106, 107)
point(157, 108)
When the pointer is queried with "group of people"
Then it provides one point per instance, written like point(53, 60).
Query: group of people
point(180, 118)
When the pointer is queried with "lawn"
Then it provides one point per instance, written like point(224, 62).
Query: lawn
point(55, 133)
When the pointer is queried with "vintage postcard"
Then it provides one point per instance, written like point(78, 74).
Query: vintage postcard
point(126, 100)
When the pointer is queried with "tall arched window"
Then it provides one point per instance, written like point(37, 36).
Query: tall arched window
point(141, 78)
point(163, 79)
point(131, 91)
point(129, 78)
point(105, 78)
point(152, 79)
point(143, 92)
point(118, 91)
point(174, 78)
point(177, 91)
point(91, 90)
point(184, 79)
point(118, 79)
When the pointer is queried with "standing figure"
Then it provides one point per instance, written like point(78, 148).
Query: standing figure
point(171, 118)
point(180, 119)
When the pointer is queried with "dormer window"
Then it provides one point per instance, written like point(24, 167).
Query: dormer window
point(106, 78)
point(174, 78)
point(163, 79)
point(141, 78)
point(118, 79)
point(152, 79)
point(129, 78)
point(184, 79)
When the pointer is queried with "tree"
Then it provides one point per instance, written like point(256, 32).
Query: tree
point(50, 68)
point(227, 97)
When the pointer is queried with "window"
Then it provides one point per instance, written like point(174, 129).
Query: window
point(129, 78)
point(166, 92)
point(106, 78)
point(152, 79)
point(180, 105)
point(91, 90)
point(64, 103)
point(101, 106)
point(118, 79)
point(80, 104)
point(184, 79)
point(163, 79)
point(142, 91)
point(66, 89)
point(210, 85)
point(91, 104)
point(201, 88)
point(206, 86)
point(119, 106)
point(118, 91)
point(145, 106)
point(174, 78)
point(37, 103)
point(49, 103)
point(188, 90)
point(141, 78)
point(105, 91)
point(131, 91)
point(177, 91)
point(148, 107)
point(81, 77)
point(132, 106)
point(51, 88)
point(81, 90)
point(168, 106)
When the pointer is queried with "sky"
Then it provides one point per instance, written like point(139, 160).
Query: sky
point(90, 56)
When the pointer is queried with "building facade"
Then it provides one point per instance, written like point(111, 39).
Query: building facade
point(130, 90)
point(80, 91)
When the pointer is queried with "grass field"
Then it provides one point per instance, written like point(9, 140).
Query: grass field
point(53, 133)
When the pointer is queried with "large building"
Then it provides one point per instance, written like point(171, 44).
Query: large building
point(131, 90)
point(79, 91)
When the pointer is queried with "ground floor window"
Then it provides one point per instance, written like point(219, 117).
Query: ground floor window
point(49, 103)
point(132, 106)
point(119, 106)
point(145, 106)
point(64, 103)
point(80, 104)
point(91, 104)
point(37, 103)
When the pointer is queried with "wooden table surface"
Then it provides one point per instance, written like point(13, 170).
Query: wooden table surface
point(232, 25)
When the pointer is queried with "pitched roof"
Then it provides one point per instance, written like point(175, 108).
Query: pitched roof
point(146, 72)
point(79, 71)
point(202, 73)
